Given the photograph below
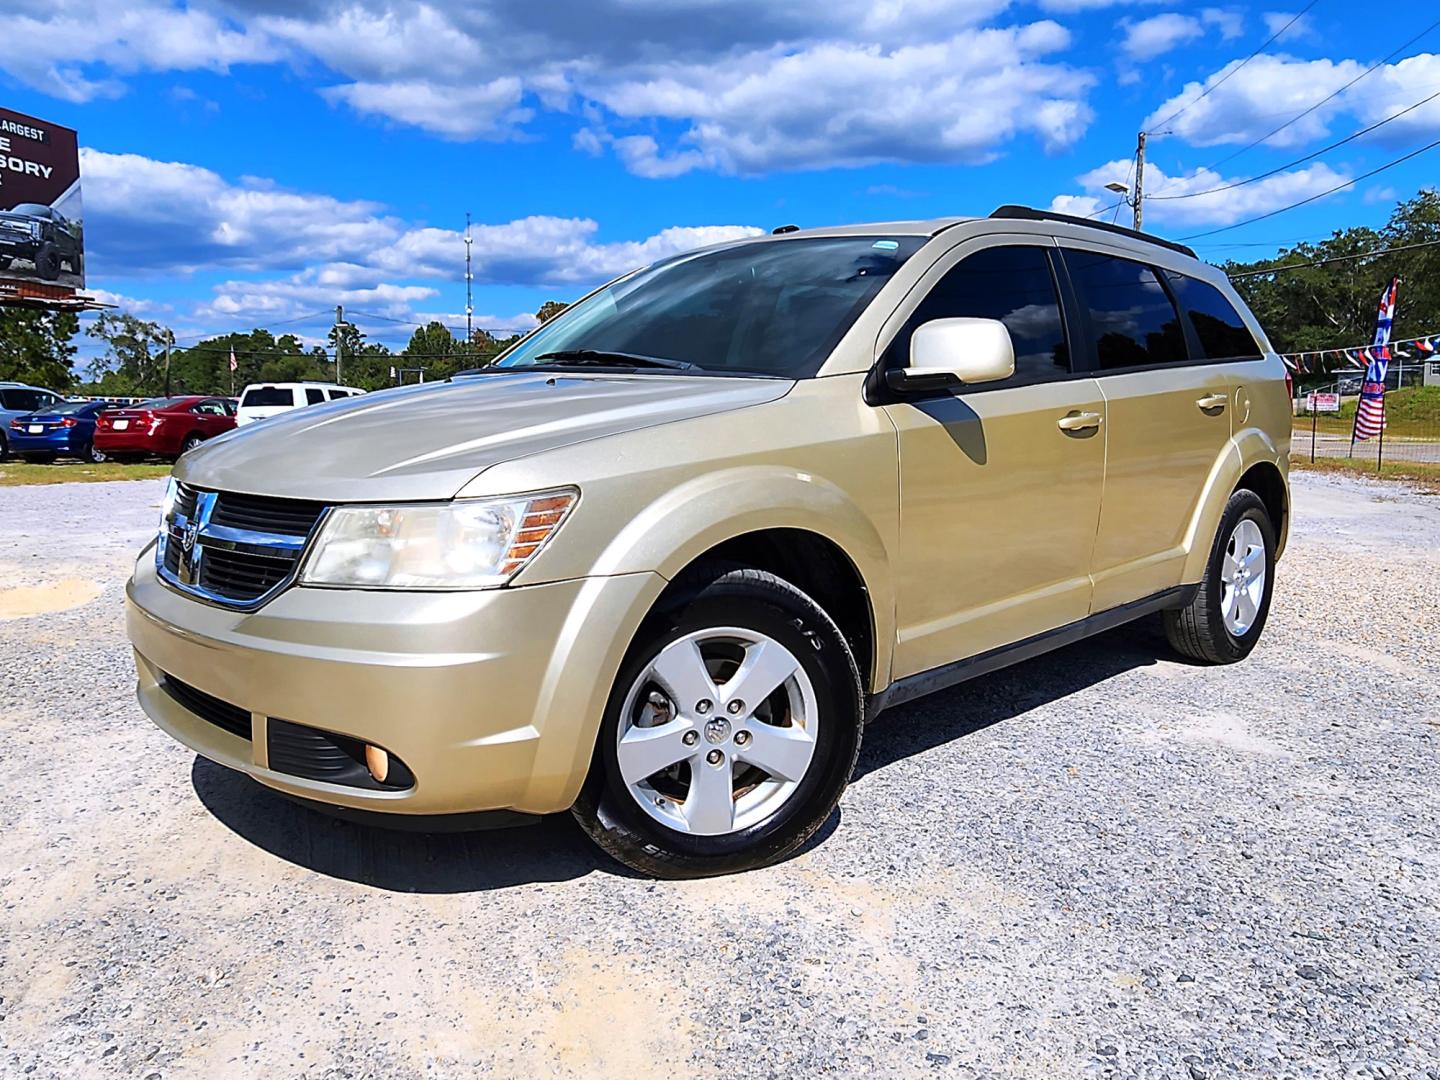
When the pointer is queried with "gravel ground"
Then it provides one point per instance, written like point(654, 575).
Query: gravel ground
point(1102, 862)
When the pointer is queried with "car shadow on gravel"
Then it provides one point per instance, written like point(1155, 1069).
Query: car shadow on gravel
point(452, 862)
point(952, 714)
point(556, 850)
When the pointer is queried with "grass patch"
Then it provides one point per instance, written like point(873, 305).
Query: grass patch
point(1423, 475)
point(18, 473)
point(1412, 413)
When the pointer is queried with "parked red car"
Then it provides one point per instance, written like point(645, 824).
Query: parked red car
point(166, 427)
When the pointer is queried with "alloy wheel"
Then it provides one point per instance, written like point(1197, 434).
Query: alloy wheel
point(1243, 577)
point(717, 732)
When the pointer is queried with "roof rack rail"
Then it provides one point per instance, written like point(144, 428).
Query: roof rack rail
point(1027, 213)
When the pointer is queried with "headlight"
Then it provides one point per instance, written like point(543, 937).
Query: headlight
point(167, 504)
point(466, 544)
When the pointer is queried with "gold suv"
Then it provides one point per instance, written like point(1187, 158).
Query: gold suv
point(662, 561)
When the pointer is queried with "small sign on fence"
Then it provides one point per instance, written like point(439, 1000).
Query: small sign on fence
point(1324, 403)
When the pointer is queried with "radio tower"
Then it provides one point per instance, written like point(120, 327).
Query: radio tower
point(469, 277)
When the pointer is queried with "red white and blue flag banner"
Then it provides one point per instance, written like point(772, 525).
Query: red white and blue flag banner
point(1426, 344)
point(1370, 413)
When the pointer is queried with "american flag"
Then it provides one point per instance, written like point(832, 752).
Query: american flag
point(1370, 414)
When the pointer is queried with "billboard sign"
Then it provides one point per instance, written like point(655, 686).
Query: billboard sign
point(41, 220)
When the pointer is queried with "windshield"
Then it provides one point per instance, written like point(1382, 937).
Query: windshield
point(761, 308)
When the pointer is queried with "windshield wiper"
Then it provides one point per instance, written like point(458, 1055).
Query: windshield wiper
point(604, 357)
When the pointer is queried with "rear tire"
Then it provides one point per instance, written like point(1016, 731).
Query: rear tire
point(90, 454)
point(47, 262)
point(738, 628)
point(190, 443)
point(1223, 621)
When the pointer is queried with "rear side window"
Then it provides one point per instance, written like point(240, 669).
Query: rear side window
point(267, 397)
point(314, 395)
point(26, 400)
point(1133, 322)
point(1221, 332)
point(1012, 284)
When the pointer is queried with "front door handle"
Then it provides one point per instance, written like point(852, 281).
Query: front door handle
point(1078, 421)
point(1213, 402)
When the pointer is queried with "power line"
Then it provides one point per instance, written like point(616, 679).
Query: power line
point(1229, 74)
point(1327, 98)
point(1335, 259)
point(1307, 157)
point(1321, 195)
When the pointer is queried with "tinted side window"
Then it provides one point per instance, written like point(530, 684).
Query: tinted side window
point(313, 395)
point(1218, 327)
point(1012, 284)
point(1132, 321)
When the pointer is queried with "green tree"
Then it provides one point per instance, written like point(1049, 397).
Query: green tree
point(134, 357)
point(1329, 300)
point(549, 310)
point(35, 347)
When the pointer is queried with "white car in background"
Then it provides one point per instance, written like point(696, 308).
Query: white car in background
point(261, 400)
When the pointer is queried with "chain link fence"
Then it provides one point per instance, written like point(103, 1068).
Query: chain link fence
point(1325, 419)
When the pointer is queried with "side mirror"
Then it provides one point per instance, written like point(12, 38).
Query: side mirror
point(945, 353)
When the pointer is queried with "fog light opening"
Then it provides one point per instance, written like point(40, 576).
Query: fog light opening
point(378, 762)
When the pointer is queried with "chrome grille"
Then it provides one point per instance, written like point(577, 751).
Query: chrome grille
point(231, 548)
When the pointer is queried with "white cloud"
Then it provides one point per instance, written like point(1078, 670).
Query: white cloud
point(1198, 208)
point(305, 251)
point(50, 45)
point(1294, 29)
point(669, 86)
point(957, 99)
point(1258, 98)
point(1159, 34)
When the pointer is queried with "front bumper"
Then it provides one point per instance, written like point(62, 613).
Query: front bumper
point(492, 698)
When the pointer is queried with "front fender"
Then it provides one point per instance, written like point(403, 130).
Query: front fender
point(684, 522)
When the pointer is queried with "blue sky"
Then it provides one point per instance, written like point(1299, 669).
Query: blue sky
point(258, 161)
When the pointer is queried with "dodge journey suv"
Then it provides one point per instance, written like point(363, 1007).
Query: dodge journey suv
point(661, 563)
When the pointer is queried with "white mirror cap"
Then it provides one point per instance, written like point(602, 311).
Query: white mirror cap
point(973, 350)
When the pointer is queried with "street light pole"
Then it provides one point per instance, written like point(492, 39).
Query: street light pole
point(339, 337)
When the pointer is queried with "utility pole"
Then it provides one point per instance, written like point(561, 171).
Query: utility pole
point(169, 340)
point(469, 277)
point(1140, 183)
point(339, 337)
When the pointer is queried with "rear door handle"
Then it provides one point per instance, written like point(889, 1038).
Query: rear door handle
point(1216, 402)
point(1078, 421)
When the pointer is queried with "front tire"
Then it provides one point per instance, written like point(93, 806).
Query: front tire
point(1223, 621)
point(731, 731)
point(92, 455)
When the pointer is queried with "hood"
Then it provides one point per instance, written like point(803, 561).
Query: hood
point(427, 442)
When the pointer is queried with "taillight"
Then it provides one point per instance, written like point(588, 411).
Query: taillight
point(16, 424)
point(68, 421)
point(1289, 384)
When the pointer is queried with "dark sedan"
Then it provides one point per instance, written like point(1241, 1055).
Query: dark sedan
point(63, 430)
